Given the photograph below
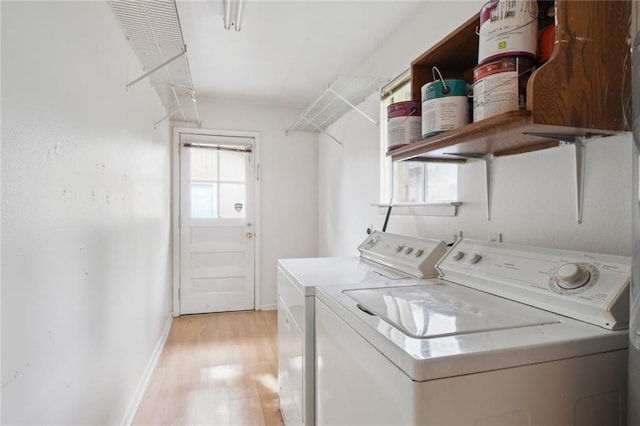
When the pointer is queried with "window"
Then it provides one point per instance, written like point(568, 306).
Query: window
point(411, 182)
point(217, 183)
point(204, 197)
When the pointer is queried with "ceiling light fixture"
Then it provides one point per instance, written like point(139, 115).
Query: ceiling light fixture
point(232, 14)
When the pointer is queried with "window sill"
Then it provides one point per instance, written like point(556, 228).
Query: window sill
point(422, 209)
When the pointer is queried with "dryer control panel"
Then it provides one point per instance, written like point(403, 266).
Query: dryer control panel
point(585, 286)
point(411, 255)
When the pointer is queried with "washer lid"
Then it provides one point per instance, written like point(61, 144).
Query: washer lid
point(437, 310)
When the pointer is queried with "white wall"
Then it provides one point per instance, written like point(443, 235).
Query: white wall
point(289, 181)
point(86, 270)
point(534, 193)
point(348, 176)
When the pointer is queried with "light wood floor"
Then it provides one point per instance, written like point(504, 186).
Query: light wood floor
point(216, 369)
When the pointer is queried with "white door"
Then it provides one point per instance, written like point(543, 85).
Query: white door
point(217, 244)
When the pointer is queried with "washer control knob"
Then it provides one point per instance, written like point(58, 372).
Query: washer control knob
point(572, 275)
point(408, 250)
point(459, 255)
point(399, 248)
point(373, 241)
point(419, 252)
point(475, 258)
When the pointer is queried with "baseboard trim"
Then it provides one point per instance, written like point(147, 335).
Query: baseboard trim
point(268, 307)
point(146, 376)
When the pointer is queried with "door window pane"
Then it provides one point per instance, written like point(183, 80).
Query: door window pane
point(204, 200)
point(232, 200)
point(218, 183)
point(232, 166)
point(204, 164)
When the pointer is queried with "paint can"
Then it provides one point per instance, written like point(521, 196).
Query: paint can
point(508, 28)
point(445, 106)
point(547, 43)
point(403, 123)
point(501, 86)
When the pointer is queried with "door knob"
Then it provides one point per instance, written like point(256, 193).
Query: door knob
point(249, 234)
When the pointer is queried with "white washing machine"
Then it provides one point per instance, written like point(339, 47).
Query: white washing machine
point(508, 335)
point(385, 258)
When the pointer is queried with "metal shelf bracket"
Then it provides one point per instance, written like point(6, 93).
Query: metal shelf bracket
point(179, 108)
point(353, 107)
point(165, 63)
point(488, 172)
point(579, 157)
point(579, 154)
point(311, 123)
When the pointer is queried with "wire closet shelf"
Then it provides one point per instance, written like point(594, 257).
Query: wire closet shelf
point(343, 94)
point(154, 32)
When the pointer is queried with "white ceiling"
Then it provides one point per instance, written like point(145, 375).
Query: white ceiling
point(287, 51)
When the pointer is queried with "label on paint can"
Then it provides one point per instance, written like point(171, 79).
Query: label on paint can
point(403, 123)
point(500, 86)
point(508, 28)
point(444, 106)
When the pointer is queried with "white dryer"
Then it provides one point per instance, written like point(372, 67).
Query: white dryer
point(509, 335)
point(384, 258)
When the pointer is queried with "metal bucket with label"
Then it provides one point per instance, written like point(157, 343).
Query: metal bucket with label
point(508, 28)
point(403, 123)
point(500, 86)
point(445, 106)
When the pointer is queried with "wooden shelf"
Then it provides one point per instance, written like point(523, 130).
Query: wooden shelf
point(506, 134)
point(582, 90)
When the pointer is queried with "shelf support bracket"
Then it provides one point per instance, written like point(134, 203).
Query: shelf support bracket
point(293, 126)
point(355, 108)
point(322, 130)
point(167, 116)
point(165, 63)
point(579, 144)
point(579, 156)
point(488, 162)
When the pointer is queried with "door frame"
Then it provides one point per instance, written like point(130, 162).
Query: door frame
point(175, 208)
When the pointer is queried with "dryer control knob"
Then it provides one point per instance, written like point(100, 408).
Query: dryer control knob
point(475, 258)
point(459, 255)
point(572, 275)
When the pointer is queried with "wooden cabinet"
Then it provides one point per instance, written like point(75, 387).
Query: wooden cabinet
point(582, 90)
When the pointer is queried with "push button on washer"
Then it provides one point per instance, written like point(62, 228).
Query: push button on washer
point(459, 255)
